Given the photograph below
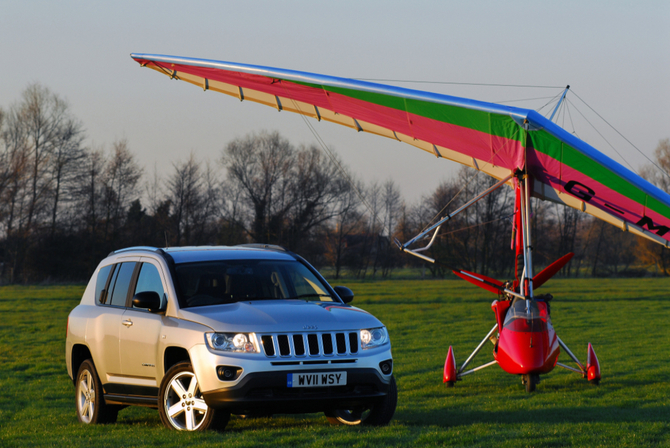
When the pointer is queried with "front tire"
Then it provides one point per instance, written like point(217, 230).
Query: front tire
point(91, 407)
point(530, 381)
point(181, 405)
point(379, 414)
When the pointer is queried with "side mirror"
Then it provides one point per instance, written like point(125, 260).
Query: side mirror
point(147, 299)
point(346, 294)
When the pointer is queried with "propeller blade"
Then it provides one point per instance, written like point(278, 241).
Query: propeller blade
point(551, 270)
point(488, 283)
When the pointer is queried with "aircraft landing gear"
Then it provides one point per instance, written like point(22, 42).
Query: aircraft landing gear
point(530, 381)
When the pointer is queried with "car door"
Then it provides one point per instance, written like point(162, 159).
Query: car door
point(141, 330)
point(106, 327)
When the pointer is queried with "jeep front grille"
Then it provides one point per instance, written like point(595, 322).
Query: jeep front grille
point(310, 344)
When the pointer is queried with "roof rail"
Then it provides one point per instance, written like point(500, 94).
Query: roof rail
point(262, 246)
point(126, 249)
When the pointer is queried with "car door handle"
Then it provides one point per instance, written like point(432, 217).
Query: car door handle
point(127, 323)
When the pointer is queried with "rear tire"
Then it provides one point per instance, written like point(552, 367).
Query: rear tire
point(379, 414)
point(181, 405)
point(91, 407)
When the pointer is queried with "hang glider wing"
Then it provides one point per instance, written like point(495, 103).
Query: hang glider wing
point(492, 138)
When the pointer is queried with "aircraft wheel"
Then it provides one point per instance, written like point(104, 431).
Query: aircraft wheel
point(530, 381)
point(449, 384)
point(378, 415)
point(595, 382)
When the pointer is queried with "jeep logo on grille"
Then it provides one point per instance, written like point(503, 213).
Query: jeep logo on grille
point(309, 327)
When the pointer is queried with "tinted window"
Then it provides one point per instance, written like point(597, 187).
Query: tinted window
point(227, 281)
point(149, 280)
point(101, 282)
point(121, 284)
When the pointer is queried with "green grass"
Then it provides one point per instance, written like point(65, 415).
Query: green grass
point(626, 320)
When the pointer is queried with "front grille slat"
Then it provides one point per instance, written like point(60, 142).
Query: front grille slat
point(353, 343)
point(313, 342)
point(327, 341)
point(268, 345)
point(284, 347)
point(341, 343)
point(299, 345)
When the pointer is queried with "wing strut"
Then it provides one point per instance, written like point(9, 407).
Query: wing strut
point(437, 225)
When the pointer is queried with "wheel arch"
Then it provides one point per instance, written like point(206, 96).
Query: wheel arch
point(80, 353)
point(174, 355)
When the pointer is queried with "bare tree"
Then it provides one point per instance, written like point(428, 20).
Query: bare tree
point(659, 177)
point(315, 186)
point(232, 213)
point(260, 164)
point(120, 180)
point(290, 192)
point(36, 129)
point(392, 207)
point(67, 153)
point(649, 252)
point(343, 239)
point(188, 199)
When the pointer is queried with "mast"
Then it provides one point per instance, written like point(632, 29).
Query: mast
point(524, 209)
point(565, 92)
point(526, 285)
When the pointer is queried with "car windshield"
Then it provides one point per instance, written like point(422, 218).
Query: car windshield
point(520, 319)
point(228, 281)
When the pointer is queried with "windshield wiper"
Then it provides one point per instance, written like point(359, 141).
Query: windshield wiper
point(314, 294)
point(251, 299)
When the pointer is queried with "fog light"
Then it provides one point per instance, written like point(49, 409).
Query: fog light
point(228, 373)
point(386, 366)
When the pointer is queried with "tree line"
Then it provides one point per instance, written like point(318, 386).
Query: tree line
point(64, 205)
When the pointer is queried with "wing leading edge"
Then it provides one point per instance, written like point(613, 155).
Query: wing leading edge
point(492, 138)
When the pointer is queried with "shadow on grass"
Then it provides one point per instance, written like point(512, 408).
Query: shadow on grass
point(556, 415)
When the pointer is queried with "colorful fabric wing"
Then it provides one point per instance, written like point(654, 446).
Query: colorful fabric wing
point(492, 138)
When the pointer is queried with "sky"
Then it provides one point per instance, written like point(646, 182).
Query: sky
point(614, 54)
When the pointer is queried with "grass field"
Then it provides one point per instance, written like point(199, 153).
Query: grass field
point(626, 320)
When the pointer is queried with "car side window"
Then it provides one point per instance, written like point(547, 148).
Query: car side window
point(101, 283)
point(123, 278)
point(149, 280)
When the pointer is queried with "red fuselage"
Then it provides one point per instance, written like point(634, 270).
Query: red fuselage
point(528, 343)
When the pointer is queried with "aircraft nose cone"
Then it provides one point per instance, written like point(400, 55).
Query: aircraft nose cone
point(526, 352)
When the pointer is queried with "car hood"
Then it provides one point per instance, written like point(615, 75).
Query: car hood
point(279, 316)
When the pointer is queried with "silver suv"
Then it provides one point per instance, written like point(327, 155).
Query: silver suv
point(203, 332)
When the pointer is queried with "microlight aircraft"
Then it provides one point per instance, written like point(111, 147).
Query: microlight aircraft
point(519, 147)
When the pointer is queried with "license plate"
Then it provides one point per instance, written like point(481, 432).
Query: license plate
point(318, 379)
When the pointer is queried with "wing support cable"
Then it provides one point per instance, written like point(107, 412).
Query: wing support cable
point(437, 225)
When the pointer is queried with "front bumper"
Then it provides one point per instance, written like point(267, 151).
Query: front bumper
point(267, 392)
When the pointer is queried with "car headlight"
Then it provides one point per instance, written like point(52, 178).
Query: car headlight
point(373, 337)
point(232, 342)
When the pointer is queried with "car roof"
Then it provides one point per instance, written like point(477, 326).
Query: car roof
point(190, 254)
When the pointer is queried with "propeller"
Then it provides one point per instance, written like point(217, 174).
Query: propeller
point(488, 283)
point(496, 286)
point(551, 270)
